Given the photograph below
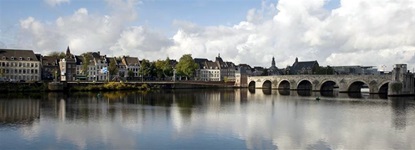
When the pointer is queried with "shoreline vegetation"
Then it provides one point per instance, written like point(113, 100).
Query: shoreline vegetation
point(84, 87)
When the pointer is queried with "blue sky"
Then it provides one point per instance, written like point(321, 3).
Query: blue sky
point(334, 32)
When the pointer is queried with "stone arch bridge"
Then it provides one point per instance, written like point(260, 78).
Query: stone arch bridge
point(344, 83)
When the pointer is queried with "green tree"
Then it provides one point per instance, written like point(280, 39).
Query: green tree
point(186, 66)
point(145, 68)
point(130, 74)
point(163, 68)
point(324, 70)
point(2, 72)
point(85, 63)
point(113, 69)
point(58, 55)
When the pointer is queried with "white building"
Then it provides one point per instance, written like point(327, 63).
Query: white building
point(215, 71)
point(131, 64)
point(19, 65)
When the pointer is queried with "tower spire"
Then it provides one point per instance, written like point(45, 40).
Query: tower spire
point(273, 62)
point(68, 51)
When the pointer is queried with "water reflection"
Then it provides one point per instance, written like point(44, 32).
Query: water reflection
point(400, 107)
point(284, 92)
point(212, 119)
point(19, 111)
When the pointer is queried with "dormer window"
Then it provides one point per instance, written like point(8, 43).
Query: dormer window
point(4, 57)
point(20, 58)
point(28, 58)
point(12, 58)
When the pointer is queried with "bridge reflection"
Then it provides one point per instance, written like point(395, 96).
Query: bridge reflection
point(309, 93)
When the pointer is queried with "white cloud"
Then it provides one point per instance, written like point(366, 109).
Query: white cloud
point(142, 42)
point(358, 32)
point(54, 3)
point(82, 31)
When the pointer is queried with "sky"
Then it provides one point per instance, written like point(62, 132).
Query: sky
point(376, 33)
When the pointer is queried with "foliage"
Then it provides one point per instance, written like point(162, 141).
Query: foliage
point(110, 86)
point(58, 55)
point(324, 70)
point(163, 68)
point(113, 69)
point(186, 66)
point(130, 74)
point(2, 72)
point(145, 68)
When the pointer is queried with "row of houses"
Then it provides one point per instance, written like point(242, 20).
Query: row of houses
point(26, 65)
point(93, 66)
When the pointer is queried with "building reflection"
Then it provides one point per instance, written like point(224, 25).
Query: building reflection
point(400, 106)
point(19, 110)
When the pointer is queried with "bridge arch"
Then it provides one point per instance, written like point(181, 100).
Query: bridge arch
point(267, 84)
point(304, 85)
point(284, 85)
point(356, 86)
point(327, 85)
point(251, 85)
point(383, 88)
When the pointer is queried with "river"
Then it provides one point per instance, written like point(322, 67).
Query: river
point(206, 119)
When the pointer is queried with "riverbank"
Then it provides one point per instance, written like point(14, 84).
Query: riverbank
point(107, 86)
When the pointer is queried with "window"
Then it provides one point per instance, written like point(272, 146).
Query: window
point(28, 58)
point(12, 58)
point(20, 58)
point(4, 57)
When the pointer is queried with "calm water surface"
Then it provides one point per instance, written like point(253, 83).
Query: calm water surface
point(206, 119)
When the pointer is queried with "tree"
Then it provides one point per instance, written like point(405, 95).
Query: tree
point(145, 68)
point(113, 69)
point(186, 66)
point(130, 74)
point(163, 68)
point(324, 70)
point(58, 55)
point(2, 72)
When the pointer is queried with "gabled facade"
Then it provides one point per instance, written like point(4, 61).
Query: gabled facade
point(97, 63)
point(67, 66)
point(50, 67)
point(19, 65)
point(132, 64)
point(209, 71)
point(215, 71)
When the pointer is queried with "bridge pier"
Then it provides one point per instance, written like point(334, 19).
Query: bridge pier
point(402, 83)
